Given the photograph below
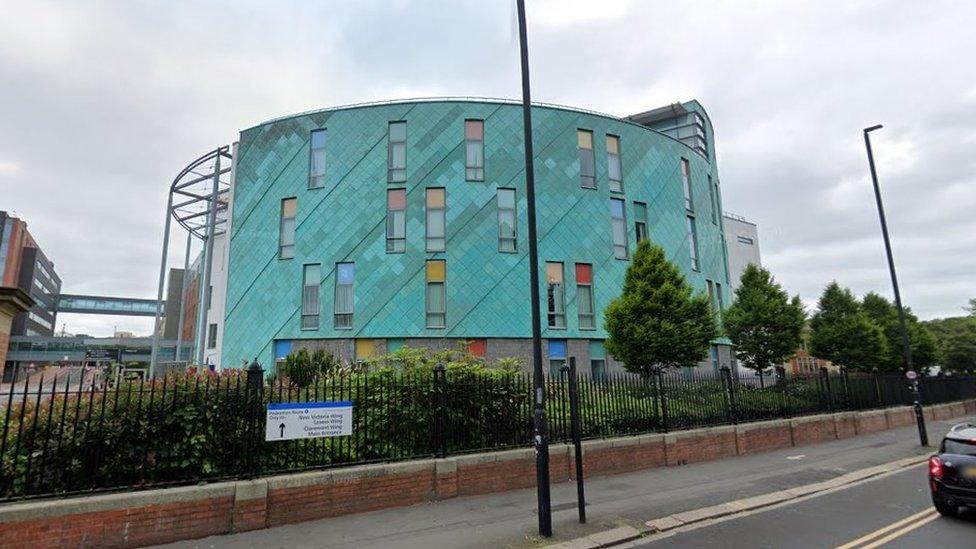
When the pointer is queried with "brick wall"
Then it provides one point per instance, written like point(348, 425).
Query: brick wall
point(159, 516)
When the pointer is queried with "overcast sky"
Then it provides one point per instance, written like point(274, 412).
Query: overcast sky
point(101, 103)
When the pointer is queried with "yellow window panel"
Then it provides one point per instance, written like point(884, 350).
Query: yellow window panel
point(435, 198)
point(436, 271)
point(288, 207)
point(554, 273)
point(613, 144)
point(585, 139)
point(365, 348)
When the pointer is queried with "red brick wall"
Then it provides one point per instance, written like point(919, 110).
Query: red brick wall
point(132, 527)
point(295, 498)
point(811, 431)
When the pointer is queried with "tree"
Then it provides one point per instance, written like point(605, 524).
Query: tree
point(842, 332)
point(956, 340)
point(884, 314)
point(971, 308)
point(764, 323)
point(657, 321)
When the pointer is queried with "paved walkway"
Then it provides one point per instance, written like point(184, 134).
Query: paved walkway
point(508, 519)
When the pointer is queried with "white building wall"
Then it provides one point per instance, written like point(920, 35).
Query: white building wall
point(742, 240)
point(218, 276)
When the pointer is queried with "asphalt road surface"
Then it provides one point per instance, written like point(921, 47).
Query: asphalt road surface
point(893, 511)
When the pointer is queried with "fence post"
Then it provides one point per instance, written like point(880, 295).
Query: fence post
point(563, 373)
point(825, 379)
point(575, 428)
point(877, 390)
point(847, 390)
point(255, 397)
point(730, 389)
point(659, 381)
point(784, 403)
point(440, 409)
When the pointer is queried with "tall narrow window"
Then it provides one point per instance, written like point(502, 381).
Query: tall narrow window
point(718, 295)
point(614, 172)
point(316, 167)
point(507, 226)
point(711, 293)
point(474, 150)
point(619, 222)
point(397, 157)
point(310, 296)
point(396, 221)
point(584, 296)
point(286, 230)
point(344, 300)
point(436, 221)
point(686, 183)
point(212, 336)
point(436, 293)
point(640, 220)
point(713, 197)
point(556, 294)
point(693, 242)
point(584, 139)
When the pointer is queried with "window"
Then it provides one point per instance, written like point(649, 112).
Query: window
point(584, 139)
point(713, 197)
point(474, 150)
point(396, 162)
point(686, 182)
point(436, 220)
point(584, 296)
point(436, 294)
point(478, 347)
point(556, 295)
point(693, 242)
point(640, 220)
point(310, 296)
point(212, 336)
point(718, 295)
point(711, 294)
point(557, 357)
point(507, 225)
point(619, 222)
point(396, 221)
point(745, 240)
point(345, 274)
point(316, 166)
point(613, 164)
point(598, 369)
point(286, 230)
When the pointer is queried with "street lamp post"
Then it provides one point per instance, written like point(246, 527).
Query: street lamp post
point(540, 433)
point(912, 375)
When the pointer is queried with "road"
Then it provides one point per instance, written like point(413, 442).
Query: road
point(893, 511)
point(50, 381)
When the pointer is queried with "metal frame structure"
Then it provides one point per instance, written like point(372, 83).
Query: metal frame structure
point(198, 200)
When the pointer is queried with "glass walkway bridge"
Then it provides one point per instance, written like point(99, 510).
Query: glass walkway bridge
point(99, 305)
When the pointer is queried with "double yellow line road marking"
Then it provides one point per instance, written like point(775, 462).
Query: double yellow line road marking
point(895, 530)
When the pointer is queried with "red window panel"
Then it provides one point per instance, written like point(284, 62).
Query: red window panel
point(584, 273)
point(477, 347)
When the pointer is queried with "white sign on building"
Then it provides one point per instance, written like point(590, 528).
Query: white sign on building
point(296, 420)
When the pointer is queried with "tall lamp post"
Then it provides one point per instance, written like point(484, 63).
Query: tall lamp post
point(541, 431)
point(911, 373)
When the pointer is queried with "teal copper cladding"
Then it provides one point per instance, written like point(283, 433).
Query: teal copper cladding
point(446, 162)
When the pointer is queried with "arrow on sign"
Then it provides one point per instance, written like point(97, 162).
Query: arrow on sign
point(282, 427)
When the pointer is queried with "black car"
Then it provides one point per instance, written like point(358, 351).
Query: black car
point(952, 472)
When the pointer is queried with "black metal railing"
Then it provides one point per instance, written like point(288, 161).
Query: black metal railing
point(74, 432)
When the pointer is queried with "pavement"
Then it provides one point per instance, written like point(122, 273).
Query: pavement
point(508, 519)
point(893, 511)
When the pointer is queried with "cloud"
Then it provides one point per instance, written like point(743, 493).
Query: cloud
point(104, 102)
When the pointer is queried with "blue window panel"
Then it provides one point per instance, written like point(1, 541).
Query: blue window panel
point(346, 273)
point(557, 348)
point(617, 208)
point(282, 348)
point(318, 139)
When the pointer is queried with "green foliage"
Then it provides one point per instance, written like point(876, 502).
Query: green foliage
point(763, 322)
point(299, 368)
point(842, 332)
point(885, 315)
point(657, 322)
point(956, 340)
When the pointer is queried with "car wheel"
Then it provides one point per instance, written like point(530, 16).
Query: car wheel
point(945, 509)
